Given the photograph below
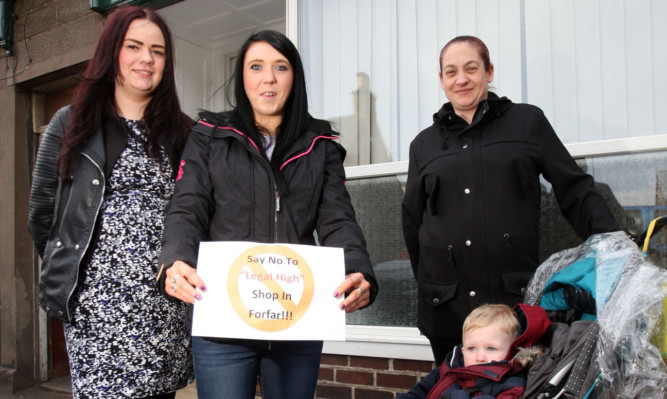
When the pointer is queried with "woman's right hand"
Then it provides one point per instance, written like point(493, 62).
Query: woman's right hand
point(183, 283)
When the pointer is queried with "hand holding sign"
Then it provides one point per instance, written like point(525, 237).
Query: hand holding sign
point(182, 282)
point(358, 290)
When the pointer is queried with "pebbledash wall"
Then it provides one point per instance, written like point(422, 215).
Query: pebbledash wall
point(52, 40)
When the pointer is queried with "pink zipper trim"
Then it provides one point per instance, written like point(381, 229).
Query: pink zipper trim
point(308, 150)
point(312, 144)
point(232, 129)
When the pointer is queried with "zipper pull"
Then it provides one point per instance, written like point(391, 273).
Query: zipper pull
point(277, 202)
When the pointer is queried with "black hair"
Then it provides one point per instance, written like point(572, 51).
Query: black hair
point(295, 116)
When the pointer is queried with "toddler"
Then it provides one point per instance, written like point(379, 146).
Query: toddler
point(498, 345)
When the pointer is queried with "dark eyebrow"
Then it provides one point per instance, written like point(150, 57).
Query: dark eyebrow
point(142, 43)
point(134, 40)
point(279, 61)
point(477, 63)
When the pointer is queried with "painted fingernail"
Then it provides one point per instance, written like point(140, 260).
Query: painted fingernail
point(336, 294)
point(197, 296)
point(342, 307)
point(203, 288)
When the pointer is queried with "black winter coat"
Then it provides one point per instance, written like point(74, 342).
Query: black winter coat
point(471, 210)
point(226, 191)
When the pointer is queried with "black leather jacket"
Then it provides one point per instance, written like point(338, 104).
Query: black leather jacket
point(63, 215)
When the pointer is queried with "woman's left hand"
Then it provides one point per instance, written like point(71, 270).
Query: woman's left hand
point(357, 289)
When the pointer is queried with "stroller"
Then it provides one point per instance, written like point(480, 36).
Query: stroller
point(608, 307)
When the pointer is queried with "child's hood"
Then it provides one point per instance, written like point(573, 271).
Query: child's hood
point(534, 323)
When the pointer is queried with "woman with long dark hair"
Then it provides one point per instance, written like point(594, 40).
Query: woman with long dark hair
point(265, 172)
point(104, 173)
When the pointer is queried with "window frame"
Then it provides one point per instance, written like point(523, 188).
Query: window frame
point(407, 342)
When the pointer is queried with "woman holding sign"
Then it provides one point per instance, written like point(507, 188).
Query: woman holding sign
point(264, 172)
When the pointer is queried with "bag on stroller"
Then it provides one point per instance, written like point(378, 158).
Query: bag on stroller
point(617, 299)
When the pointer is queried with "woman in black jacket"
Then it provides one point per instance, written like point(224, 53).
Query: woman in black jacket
point(471, 210)
point(264, 172)
point(104, 173)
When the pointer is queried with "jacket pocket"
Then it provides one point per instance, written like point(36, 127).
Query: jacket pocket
point(437, 294)
point(437, 265)
point(515, 282)
point(518, 249)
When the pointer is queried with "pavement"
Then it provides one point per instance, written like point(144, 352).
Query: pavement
point(60, 389)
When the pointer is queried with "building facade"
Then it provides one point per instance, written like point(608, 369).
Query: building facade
point(371, 67)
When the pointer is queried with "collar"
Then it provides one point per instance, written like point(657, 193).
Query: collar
point(491, 106)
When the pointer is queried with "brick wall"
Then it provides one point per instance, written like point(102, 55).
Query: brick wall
point(355, 377)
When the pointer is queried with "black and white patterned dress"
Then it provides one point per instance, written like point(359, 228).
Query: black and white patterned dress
point(126, 340)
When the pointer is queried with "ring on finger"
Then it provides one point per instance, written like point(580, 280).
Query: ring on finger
point(361, 290)
point(173, 279)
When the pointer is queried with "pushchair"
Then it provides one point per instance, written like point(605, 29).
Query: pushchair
point(608, 306)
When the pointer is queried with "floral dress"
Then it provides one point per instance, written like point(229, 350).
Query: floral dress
point(126, 340)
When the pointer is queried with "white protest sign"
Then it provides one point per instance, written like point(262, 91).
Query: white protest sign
point(269, 291)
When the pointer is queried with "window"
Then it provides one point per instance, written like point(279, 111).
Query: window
point(635, 186)
point(593, 67)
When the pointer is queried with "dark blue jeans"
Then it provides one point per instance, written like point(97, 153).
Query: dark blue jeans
point(229, 368)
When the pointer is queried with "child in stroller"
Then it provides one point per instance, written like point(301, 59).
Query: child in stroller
point(497, 347)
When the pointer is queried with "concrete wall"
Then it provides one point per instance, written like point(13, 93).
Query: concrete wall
point(59, 33)
point(18, 326)
point(59, 36)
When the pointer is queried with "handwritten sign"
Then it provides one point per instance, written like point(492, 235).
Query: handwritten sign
point(269, 291)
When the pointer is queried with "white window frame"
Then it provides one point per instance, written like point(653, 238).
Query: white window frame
point(407, 342)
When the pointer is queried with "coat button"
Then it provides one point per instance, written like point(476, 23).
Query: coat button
point(468, 243)
point(436, 300)
point(59, 244)
point(465, 146)
point(473, 293)
point(523, 290)
point(76, 247)
point(60, 312)
point(467, 191)
point(96, 182)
